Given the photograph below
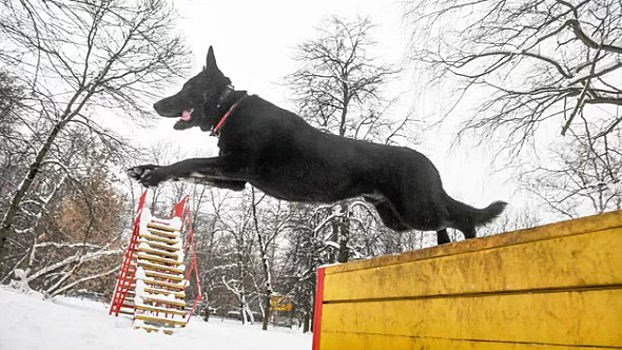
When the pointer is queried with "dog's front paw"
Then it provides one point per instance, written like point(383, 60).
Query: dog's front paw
point(148, 175)
point(138, 171)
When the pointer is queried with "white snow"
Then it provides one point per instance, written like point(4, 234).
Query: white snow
point(20, 282)
point(140, 273)
point(140, 288)
point(28, 322)
point(145, 217)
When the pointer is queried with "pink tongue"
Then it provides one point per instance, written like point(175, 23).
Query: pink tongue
point(186, 116)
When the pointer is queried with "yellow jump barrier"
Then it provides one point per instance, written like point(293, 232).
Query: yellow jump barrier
point(552, 287)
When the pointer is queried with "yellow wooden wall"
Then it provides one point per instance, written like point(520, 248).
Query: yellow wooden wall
point(552, 287)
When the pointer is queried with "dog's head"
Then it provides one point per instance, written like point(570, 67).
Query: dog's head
point(197, 102)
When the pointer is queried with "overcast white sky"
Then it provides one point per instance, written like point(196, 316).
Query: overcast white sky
point(254, 44)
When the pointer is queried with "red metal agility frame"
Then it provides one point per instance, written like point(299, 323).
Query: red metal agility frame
point(187, 220)
point(317, 308)
point(183, 211)
point(125, 279)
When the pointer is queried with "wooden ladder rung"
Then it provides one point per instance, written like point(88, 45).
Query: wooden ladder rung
point(163, 284)
point(154, 267)
point(163, 233)
point(158, 252)
point(181, 295)
point(164, 247)
point(162, 227)
point(156, 329)
point(160, 320)
point(149, 237)
point(162, 301)
point(159, 259)
point(153, 274)
point(126, 311)
point(162, 310)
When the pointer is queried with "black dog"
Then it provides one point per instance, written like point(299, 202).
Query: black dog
point(279, 153)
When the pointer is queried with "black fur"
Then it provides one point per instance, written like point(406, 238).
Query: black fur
point(279, 153)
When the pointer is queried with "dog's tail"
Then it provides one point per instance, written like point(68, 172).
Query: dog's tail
point(466, 215)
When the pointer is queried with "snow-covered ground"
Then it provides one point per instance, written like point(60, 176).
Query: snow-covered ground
point(28, 322)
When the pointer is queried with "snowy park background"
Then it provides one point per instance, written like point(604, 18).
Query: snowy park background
point(516, 101)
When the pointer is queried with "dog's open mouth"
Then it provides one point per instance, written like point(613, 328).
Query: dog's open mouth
point(186, 115)
point(185, 121)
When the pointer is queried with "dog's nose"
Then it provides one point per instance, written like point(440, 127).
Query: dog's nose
point(158, 107)
point(165, 108)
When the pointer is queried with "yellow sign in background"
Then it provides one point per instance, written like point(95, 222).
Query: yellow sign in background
point(280, 303)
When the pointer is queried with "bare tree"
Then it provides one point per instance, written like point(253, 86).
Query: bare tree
point(234, 218)
point(338, 86)
point(537, 63)
point(271, 221)
point(516, 219)
point(307, 249)
point(60, 250)
point(583, 177)
point(13, 147)
point(77, 59)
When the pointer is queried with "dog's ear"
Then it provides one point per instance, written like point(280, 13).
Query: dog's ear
point(210, 62)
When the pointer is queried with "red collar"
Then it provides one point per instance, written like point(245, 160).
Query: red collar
point(224, 117)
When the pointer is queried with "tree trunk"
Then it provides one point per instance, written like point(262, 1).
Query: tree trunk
point(6, 225)
point(7, 222)
point(343, 245)
point(334, 237)
point(263, 249)
point(266, 315)
point(343, 227)
point(307, 322)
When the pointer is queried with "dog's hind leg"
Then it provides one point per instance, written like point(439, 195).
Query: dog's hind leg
point(393, 221)
point(387, 214)
point(423, 213)
point(442, 237)
point(468, 232)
